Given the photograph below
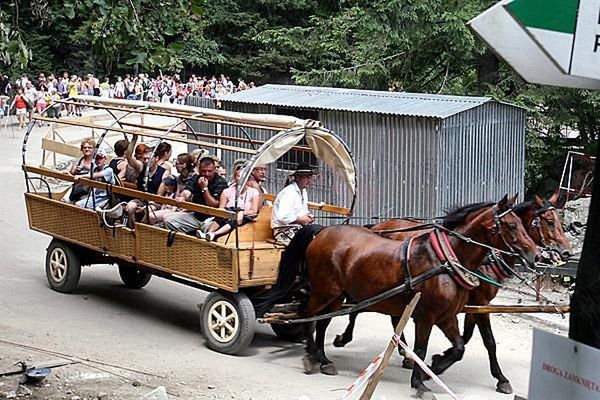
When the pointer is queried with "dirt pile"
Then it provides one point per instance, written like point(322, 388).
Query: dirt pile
point(574, 218)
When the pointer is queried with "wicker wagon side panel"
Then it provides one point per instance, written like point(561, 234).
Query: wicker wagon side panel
point(196, 259)
point(67, 221)
point(119, 242)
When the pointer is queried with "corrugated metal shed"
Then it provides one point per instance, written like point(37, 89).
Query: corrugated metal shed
point(416, 154)
point(338, 99)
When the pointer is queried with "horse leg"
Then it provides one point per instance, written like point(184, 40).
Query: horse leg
point(423, 331)
point(346, 337)
point(407, 362)
point(310, 360)
point(440, 363)
point(485, 328)
point(469, 327)
point(327, 367)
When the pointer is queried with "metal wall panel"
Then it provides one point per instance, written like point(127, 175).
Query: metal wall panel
point(482, 155)
point(412, 166)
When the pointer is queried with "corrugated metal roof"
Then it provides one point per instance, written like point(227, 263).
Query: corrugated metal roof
point(396, 103)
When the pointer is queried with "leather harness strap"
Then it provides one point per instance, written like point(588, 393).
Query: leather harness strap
point(405, 260)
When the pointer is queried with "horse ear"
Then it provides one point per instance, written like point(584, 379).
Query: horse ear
point(554, 198)
point(503, 204)
point(538, 201)
point(513, 199)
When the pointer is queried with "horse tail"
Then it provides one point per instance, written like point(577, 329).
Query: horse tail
point(291, 265)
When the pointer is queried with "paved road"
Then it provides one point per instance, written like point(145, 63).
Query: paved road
point(156, 329)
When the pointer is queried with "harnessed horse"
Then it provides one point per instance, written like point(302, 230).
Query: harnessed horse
point(543, 226)
point(351, 261)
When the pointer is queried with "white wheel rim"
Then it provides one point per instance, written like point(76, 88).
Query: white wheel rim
point(223, 321)
point(58, 265)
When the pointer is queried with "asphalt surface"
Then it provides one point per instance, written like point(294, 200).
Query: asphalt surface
point(156, 329)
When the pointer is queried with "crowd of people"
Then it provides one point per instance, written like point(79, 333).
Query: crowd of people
point(27, 96)
point(197, 177)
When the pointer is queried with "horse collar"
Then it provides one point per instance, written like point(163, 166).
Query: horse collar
point(444, 251)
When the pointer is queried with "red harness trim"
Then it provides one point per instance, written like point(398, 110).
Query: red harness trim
point(498, 271)
point(438, 250)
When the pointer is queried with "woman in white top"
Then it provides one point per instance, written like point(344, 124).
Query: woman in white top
point(245, 209)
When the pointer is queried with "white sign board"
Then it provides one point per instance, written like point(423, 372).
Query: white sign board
point(586, 47)
point(563, 369)
point(513, 44)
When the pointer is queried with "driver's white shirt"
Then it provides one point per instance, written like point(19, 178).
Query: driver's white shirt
point(290, 203)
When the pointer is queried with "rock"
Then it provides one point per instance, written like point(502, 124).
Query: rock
point(75, 398)
point(102, 396)
point(212, 386)
point(515, 320)
point(24, 391)
point(11, 395)
point(160, 393)
point(136, 383)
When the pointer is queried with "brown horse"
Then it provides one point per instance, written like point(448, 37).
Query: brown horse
point(544, 227)
point(351, 261)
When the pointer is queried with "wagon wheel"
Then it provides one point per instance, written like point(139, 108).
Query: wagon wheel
point(228, 322)
point(292, 332)
point(63, 267)
point(134, 277)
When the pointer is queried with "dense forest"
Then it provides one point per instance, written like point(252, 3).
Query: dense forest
point(417, 45)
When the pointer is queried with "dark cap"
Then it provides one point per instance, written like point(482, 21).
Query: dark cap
point(304, 169)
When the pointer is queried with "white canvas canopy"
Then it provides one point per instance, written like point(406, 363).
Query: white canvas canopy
point(324, 144)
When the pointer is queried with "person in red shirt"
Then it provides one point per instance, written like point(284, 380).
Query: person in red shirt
point(21, 107)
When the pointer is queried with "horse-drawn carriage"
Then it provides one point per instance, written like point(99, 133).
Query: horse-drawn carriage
point(341, 263)
point(233, 268)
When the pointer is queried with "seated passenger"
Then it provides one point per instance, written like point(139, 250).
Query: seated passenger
point(164, 151)
point(155, 176)
point(257, 179)
point(290, 209)
point(206, 190)
point(245, 208)
point(187, 174)
point(80, 167)
point(169, 188)
point(98, 197)
point(119, 163)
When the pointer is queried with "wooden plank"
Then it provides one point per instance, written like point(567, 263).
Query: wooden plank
point(515, 309)
point(152, 135)
point(175, 114)
point(218, 212)
point(317, 206)
point(266, 264)
point(61, 148)
point(210, 136)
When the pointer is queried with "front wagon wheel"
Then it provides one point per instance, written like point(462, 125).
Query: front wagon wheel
point(228, 322)
point(63, 267)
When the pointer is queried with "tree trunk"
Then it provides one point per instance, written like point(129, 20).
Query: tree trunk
point(585, 303)
point(487, 68)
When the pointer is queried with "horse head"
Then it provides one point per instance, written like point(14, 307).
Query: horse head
point(546, 227)
point(506, 230)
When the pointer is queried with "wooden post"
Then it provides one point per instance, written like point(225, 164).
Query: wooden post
point(584, 324)
point(370, 389)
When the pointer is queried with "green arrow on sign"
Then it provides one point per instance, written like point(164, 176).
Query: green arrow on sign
point(551, 23)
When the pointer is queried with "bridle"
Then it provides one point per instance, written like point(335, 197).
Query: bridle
point(537, 223)
point(497, 227)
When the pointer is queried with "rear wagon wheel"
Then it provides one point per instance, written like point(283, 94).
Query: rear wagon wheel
point(63, 266)
point(134, 277)
point(228, 322)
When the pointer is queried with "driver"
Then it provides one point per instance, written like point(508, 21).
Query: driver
point(290, 209)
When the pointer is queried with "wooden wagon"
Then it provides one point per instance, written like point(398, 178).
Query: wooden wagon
point(233, 269)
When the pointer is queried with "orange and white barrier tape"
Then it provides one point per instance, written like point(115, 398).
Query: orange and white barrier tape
point(364, 377)
point(366, 374)
point(424, 367)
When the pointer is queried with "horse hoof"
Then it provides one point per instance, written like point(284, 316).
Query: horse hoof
point(422, 389)
point(309, 363)
point(408, 363)
point(339, 341)
point(329, 369)
point(504, 387)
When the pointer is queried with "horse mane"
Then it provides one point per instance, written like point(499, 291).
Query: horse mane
point(520, 208)
point(456, 216)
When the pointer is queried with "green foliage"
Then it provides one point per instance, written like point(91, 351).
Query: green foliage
point(421, 46)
